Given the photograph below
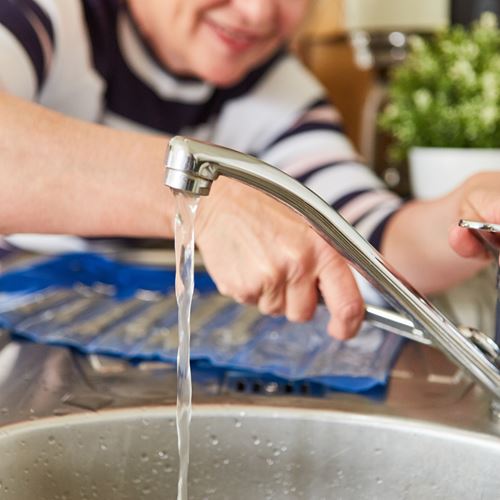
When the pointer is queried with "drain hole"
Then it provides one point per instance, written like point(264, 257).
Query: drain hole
point(240, 386)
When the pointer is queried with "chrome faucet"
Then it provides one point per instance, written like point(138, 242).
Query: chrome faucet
point(192, 166)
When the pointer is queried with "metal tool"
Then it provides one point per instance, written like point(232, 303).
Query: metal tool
point(393, 322)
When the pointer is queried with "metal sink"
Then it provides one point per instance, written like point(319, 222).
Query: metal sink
point(245, 452)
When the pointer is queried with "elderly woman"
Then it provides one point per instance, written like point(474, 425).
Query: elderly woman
point(90, 91)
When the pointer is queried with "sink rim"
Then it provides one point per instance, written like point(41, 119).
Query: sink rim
point(376, 421)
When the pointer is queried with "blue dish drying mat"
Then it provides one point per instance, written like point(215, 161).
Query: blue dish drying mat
point(226, 336)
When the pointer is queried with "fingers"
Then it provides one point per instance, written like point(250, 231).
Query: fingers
point(265, 288)
point(482, 203)
point(291, 288)
point(241, 292)
point(273, 298)
point(301, 299)
point(341, 296)
point(276, 260)
point(465, 244)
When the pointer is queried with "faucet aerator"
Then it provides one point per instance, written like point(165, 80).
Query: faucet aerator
point(182, 181)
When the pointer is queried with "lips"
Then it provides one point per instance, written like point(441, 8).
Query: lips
point(234, 39)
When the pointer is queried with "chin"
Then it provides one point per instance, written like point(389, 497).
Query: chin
point(221, 77)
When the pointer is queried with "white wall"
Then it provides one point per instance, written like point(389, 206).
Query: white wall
point(377, 15)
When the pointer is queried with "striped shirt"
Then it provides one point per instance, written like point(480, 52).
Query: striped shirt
point(87, 59)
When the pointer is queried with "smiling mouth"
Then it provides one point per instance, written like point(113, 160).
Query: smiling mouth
point(234, 39)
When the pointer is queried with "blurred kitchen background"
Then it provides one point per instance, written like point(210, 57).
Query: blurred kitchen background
point(351, 45)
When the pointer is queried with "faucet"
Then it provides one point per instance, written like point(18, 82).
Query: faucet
point(192, 166)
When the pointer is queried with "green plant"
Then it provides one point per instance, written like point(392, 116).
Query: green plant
point(447, 92)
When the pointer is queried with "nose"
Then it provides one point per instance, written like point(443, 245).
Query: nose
point(257, 12)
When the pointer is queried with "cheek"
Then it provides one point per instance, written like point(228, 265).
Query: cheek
point(199, 8)
point(292, 16)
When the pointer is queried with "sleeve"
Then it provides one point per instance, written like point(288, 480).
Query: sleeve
point(26, 47)
point(287, 122)
point(315, 151)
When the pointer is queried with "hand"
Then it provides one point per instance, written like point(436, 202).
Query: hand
point(479, 200)
point(260, 252)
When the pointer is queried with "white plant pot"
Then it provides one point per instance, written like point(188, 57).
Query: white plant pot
point(435, 172)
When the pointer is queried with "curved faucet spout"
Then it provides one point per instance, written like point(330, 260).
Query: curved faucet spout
point(192, 166)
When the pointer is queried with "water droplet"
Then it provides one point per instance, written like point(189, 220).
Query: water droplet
point(379, 480)
point(225, 461)
point(269, 461)
point(163, 455)
point(237, 423)
point(276, 452)
point(214, 440)
point(52, 439)
point(377, 451)
point(256, 441)
point(144, 457)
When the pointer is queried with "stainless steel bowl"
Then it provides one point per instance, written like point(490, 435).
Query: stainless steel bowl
point(240, 452)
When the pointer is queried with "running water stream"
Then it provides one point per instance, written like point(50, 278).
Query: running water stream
point(184, 286)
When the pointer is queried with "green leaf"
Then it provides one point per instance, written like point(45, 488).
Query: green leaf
point(447, 91)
